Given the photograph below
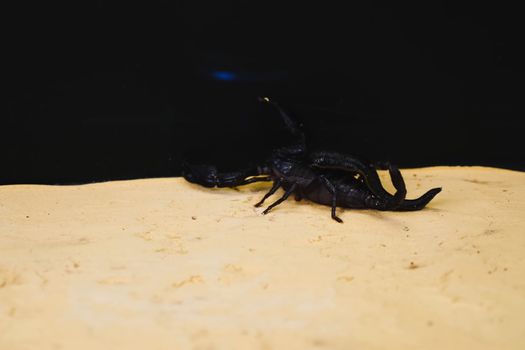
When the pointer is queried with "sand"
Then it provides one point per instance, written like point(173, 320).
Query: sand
point(165, 264)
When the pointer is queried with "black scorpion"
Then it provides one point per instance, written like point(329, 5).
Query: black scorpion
point(327, 178)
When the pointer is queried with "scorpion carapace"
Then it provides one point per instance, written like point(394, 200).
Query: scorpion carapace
point(327, 178)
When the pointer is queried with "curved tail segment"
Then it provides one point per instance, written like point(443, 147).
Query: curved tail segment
point(338, 161)
point(293, 127)
point(418, 203)
point(396, 201)
point(386, 201)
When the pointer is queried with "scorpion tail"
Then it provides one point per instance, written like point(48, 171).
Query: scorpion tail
point(385, 201)
point(293, 127)
point(418, 203)
point(397, 202)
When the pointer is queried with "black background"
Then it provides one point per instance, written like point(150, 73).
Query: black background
point(117, 90)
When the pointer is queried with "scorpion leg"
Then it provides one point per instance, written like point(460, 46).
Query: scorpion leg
point(282, 199)
point(332, 190)
point(208, 176)
point(275, 187)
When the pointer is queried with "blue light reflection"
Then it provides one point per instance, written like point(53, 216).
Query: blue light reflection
point(224, 75)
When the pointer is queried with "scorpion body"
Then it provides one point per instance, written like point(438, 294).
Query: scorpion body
point(327, 178)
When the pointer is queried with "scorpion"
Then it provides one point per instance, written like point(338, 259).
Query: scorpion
point(328, 178)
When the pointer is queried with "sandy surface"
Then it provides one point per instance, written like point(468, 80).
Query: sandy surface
point(164, 264)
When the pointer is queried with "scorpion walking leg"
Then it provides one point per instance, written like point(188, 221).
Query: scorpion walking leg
point(282, 199)
point(275, 187)
point(332, 190)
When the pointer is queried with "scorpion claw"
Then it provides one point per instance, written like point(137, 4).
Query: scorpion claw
point(205, 175)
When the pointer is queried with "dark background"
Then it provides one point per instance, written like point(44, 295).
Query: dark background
point(115, 90)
